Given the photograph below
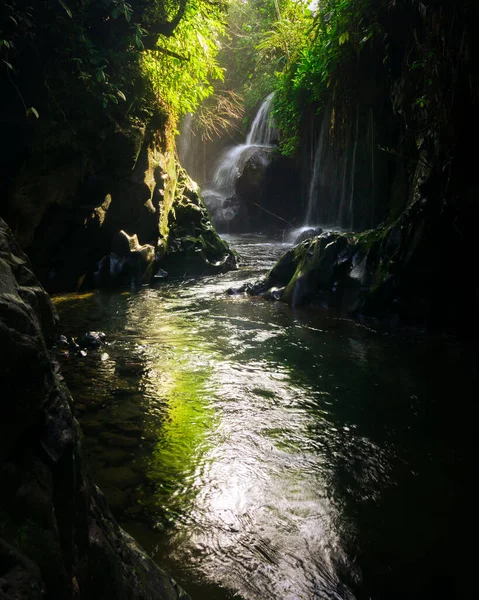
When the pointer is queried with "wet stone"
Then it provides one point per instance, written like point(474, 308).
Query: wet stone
point(130, 369)
point(62, 342)
point(91, 339)
point(125, 412)
point(129, 428)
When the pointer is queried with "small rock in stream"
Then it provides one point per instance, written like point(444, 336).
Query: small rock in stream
point(161, 274)
point(73, 346)
point(91, 339)
point(62, 342)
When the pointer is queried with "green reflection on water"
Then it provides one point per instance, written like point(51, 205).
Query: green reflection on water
point(183, 436)
point(177, 379)
point(163, 370)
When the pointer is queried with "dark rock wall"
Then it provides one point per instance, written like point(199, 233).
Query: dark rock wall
point(58, 539)
point(269, 195)
point(410, 272)
point(73, 223)
point(120, 193)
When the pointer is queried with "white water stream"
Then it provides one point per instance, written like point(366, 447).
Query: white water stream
point(219, 194)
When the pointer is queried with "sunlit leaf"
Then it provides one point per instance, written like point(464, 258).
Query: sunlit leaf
point(66, 9)
point(32, 111)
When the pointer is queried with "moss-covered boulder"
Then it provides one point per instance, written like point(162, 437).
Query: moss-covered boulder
point(192, 246)
point(316, 271)
point(392, 272)
point(345, 271)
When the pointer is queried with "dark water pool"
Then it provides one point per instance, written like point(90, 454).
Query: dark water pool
point(260, 452)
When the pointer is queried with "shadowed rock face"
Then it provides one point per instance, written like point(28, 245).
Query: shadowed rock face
point(404, 272)
point(58, 538)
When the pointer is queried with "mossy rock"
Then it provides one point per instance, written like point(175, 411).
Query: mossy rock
point(193, 247)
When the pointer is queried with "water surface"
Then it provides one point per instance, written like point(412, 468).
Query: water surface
point(260, 452)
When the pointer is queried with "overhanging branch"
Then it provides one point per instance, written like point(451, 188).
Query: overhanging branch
point(171, 53)
point(167, 29)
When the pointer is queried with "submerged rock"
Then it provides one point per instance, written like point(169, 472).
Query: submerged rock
point(115, 440)
point(58, 538)
point(120, 477)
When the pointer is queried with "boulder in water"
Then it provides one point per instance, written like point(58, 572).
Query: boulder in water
point(193, 247)
point(317, 265)
point(307, 234)
point(91, 339)
point(130, 264)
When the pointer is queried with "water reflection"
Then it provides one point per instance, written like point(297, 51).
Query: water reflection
point(263, 524)
point(258, 452)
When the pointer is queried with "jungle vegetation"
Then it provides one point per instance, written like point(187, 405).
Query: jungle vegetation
point(68, 60)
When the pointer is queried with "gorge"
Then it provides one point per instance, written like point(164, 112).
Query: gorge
point(270, 410)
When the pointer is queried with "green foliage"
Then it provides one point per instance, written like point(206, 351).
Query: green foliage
point(95, 60)
point(249, 72)
point(182, 66)
point(287, 36)
point(339, 32)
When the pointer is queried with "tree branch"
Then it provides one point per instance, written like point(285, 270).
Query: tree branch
point(166, 29)
point(171, 53)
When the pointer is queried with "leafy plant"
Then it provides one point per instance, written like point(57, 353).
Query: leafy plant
point(181, 67)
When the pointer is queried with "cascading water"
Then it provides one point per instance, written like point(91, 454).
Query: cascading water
point(316, 172)
point(341, 192)
point(353, 174)
point(220, 194)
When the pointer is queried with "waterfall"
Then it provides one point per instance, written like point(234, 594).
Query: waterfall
point(262, 132)
point(316, 172)
point(343, 178)
point(183, 143)
point(220, 194)
point(350, 216)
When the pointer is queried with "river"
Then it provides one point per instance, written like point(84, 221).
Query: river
point(264, 453)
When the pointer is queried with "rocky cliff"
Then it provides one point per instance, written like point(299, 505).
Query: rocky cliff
point(58, 539)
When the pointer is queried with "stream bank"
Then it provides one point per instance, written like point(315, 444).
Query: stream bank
point(58, 538)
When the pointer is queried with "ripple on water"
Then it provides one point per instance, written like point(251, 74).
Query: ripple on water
point(263, 450)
